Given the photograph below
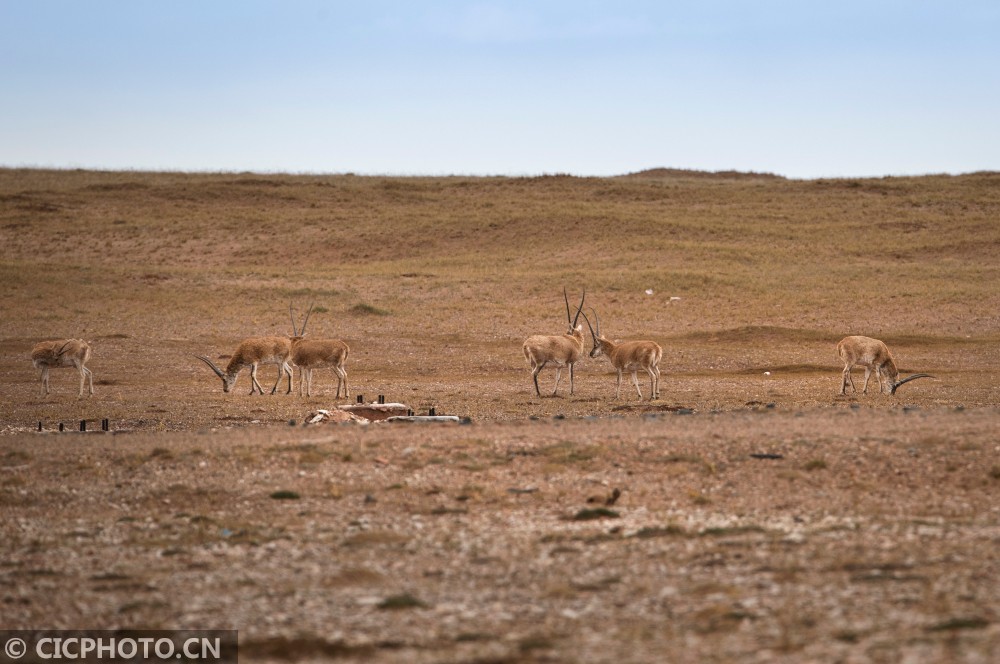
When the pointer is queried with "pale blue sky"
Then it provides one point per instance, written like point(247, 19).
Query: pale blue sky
point(795, 87)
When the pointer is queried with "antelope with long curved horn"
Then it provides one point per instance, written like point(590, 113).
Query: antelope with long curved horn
point(251, 353)
point(310, 354)
point(562, 350)
point(875, 357)
point(62, 353)
point(628, 356)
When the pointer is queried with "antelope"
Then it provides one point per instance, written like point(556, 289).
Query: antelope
point(309, 354)
point(561, 350)
point(62, 353)
point(628, 356)
point(873, 355)
point(251, 353)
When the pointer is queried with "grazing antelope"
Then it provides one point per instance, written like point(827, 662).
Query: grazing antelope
point(62, 353)
point(873, 355)
point(561, 350)
point(629, 356)
point(309, 354)
point(251, 353)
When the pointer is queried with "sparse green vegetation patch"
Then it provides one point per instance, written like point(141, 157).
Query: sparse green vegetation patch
point(651, 532)
point(400, 602)
point(955, 624)
point(591, 514)
point(364, 309)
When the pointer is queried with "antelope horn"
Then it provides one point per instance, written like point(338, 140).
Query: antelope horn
point(593, 336)
point(597, 319)
point(306, 321)
point(580, 308)
point(566, 297)
point(295, 331)
point(896, 385)
point(209, 362)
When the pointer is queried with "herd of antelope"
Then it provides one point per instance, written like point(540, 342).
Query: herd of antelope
point(560, 350)
point(296, 350)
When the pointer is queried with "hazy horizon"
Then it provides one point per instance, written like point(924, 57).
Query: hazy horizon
point(800, 90)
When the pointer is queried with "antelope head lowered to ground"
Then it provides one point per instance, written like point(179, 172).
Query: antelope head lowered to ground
point(251, 353)
point(873, 355)
point(561, 350)
point(62, 353)
point(309, 354)
point(629, 356)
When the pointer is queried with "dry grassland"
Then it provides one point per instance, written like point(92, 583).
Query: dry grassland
point(868, 531)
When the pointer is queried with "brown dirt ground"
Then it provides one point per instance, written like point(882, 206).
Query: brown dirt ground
point(869, 531)
point(874, 537)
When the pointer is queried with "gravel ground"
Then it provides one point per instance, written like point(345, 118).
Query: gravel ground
point(823, 535)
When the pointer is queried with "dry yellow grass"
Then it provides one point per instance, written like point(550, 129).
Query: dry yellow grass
point(434, 282)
